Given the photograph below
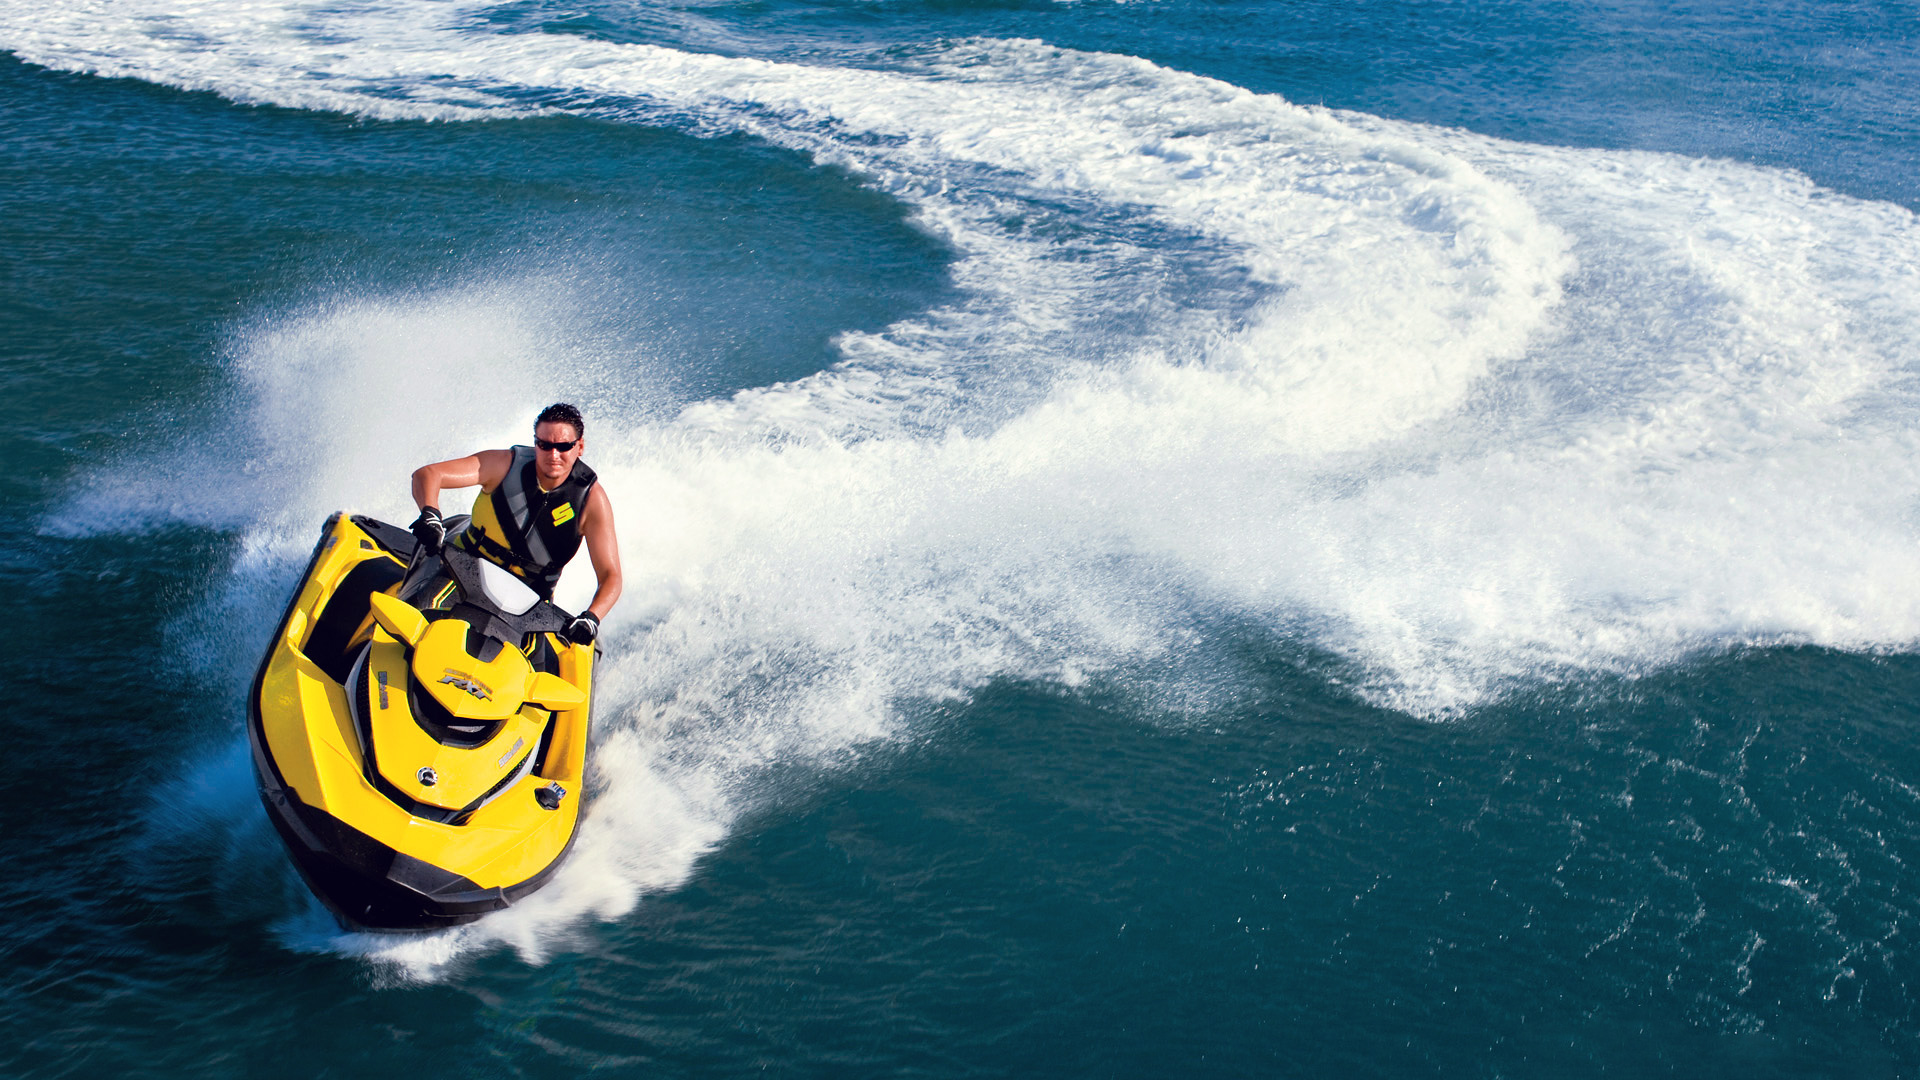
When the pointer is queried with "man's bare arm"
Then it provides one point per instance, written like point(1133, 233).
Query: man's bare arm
point(603, 547)
point(485, 469)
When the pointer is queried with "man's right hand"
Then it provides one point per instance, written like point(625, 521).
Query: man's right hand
point(430, 530)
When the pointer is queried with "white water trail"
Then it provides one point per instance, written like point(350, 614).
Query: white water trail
point(1472, 413)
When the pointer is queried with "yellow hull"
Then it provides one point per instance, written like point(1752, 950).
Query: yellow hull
point(381, 851)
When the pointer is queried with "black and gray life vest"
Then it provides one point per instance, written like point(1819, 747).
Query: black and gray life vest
point(530, 532)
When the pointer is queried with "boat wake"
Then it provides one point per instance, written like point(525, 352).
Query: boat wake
point(1463, 414)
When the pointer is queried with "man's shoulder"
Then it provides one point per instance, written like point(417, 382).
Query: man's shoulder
point(494, 465)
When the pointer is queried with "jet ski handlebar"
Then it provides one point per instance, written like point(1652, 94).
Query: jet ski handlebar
point(544, 617)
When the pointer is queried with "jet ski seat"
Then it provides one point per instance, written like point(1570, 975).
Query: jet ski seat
point(332, 643)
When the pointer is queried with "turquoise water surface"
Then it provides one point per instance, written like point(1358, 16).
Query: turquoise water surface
point(1176, 538)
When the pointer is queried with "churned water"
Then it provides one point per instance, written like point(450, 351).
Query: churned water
point(1173, 538)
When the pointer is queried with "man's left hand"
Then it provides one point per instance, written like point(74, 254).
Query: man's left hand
point(584, 628)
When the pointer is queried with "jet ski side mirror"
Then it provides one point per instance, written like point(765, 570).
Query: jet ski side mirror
point(553, 692)
point(399, 618)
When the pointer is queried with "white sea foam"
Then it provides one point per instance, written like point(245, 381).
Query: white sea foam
point(1465, 412)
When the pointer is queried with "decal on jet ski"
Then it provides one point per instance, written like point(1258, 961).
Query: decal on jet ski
point(463, 681)
point(511, 750)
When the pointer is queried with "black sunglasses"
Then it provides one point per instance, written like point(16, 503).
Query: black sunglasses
point(562, 447)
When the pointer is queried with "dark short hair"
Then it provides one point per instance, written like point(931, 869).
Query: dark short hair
point(562, 413)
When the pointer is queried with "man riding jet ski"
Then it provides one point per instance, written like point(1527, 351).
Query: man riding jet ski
point(419, 724)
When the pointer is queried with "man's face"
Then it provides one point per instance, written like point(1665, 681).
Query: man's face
point(554, 465)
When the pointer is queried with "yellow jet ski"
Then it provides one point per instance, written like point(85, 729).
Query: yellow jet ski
point(419, 731)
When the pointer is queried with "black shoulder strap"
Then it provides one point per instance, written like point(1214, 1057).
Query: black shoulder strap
point(584, 476)
point(513, 504)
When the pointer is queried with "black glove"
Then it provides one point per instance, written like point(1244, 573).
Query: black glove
point(430, 531)
point(584, 628)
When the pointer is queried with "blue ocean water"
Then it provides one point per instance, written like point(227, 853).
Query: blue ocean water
point(1165, 538)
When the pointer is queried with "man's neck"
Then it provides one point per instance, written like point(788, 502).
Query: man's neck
point(540, 481)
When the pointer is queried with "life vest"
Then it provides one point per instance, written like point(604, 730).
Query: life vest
point(530, 532)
